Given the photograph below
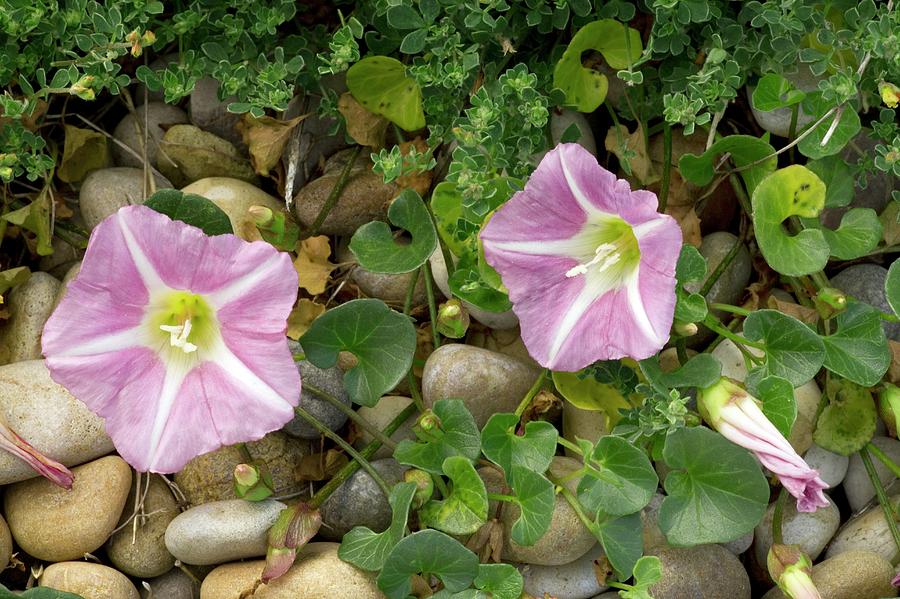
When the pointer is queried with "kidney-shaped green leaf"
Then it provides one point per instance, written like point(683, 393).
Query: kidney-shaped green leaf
point(192, 209)
point(858, 349)
point(536, 498)
point(793, 350)
point(619, 479)
point(456, 434)
point(465, 509)
point(367, 549)
point(374, 245)
point(382, 340)
point(533, 450)
point(744, 151)
point(427, 552)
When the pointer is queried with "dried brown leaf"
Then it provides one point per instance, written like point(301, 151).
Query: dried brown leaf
point(365, 127)
point(302, 316)
point(312, 264)
point(801, 313)
point(266, 138)
point(85, 150)
point(630, 148)
point(321, 466)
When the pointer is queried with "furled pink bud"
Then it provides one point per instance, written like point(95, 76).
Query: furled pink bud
point(737, 416)
point(19, 447)
point(295, 526)
point(252, 482)
point(790, 568)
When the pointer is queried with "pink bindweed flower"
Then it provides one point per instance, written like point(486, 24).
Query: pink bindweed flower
point(19, 447)
point(737, 416)
point(589, 263)
point(176, 338)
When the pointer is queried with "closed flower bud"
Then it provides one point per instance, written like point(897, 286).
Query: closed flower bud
point(424, 486)
point(453, 319)
point(252, 482)
point(890, 93)
point(830, 302)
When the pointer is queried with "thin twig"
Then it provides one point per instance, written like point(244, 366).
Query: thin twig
point(351, 414)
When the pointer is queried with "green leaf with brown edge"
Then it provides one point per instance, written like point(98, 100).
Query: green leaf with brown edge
point(85, 150)
point(35, 217)
point(848, 421)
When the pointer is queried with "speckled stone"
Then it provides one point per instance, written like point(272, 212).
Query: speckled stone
point(382, 414)
point(318, 573)
point(582, 424)
point(130, 132)
point(211, 114)
point(810, 530)
point(6, 546)
point(566, 540)
point(49, 417)
point(173, 585)
point(488, 382)
point(53, 524)
point(850, 575)
point(141, 551)
point(832, 467)
point(857, 486)
point(209, 477)
point(30, 305)
point(365, 196)
point(865, 282)
point(575, 580)
point(702, 572)
point(235, 197)
point(222, 531)
point(90, 581)
point(866, 531)
point(187, 154)
point(329, 380)
point(68, 278)
point(360, 502)
point(106, 190)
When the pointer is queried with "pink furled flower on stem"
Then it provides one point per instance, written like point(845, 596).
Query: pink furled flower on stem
point(737, 416)
point(589, 263)
point(176, 338)
point(19, 447)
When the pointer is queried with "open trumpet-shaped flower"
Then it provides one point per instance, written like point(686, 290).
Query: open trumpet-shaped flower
point(176, 338)
point(19, 447)
point(589, 263)
point(735, 414)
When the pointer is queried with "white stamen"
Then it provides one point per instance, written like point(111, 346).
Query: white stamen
point(178, 336)
point(605, 255)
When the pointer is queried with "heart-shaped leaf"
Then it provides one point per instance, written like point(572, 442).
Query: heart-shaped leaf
point(716, 490)
point(778, 403)
point(744, 151)
point(380, 84)
point(773, 92)
point(374, 245)
point(835, 174)
point(465, 509)
point(847, 127)
point(367, 549)
point(192, 209)
point(858, 234)
point(500, 581)
point(791, 191)
point(534, 450)
point(431, 553)
point(382, 340)
point(793, 350)
point(858, 349)
point(700, 371)
point(623, 542)
point(456, 434)
point(619, 478)
point(536, 499)
point(585, 89)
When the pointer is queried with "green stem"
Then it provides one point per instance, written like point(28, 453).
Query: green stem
point(778, 518)
point(889, 513)
point(667, 168)
point(335, 194)
point(884, 459)
point(681, 350)
point(573, 501)
point(351, 414)
point(569, 445)
point(499, 497)
point(299, 357)
point(414, 391)
point(713, 323)
point(432, 306)
point(346, 447)
point(368, 451)
point(245, 452)
point(720, 268)
point(792, 130)
point(538, 383)
point(411, 291)
point(731, 309)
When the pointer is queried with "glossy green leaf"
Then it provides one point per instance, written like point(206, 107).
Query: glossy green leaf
point(716, 491)
point(465, 509)
point(535, 498)
point(37, 593)
point(743, 149)
point(700, 371)
point(691, 265)
point(892, 286)
point(847, 128)
point(835, 174)
point(382, 340)
point(380, 84)
point(623, 542)
point(367, 549)
point(773, 92)
point(586, 392)
point(858, 349)
point(857, 235)
point(192, 209)
point(791, 191)
point(533, 450)
point(848, 421)
point(778, 403)
point(446, 204)
point(500, 581)
point(457, 435)
point(427, 552)
point(374, 245)
point(585, 89)
point(619, 478)
point(793, 350)
point(467, 284)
